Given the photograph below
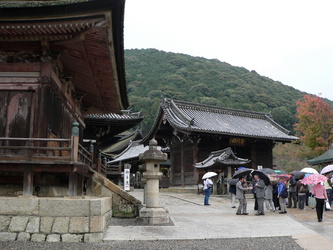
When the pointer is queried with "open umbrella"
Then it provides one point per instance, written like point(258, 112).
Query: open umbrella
point(262, 176)
point(267, 171)
point(241, 172)
point(280, 171)
point(298, 174)
point(282, 176)
point(209, 175)
point(232, 181)
point(327, 169)
point(309, 170)
point(313, 179)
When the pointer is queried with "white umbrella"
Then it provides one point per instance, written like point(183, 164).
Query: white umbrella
point(309, 171)
point(208, 175)
point(327, 169)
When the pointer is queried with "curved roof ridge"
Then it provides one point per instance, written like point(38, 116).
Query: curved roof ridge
point(221, 110)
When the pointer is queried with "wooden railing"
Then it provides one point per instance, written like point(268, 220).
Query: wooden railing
point(84, 156)
point(43, 150)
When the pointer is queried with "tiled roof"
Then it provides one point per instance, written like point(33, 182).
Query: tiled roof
point(191, 117)
point(326, 157)
point(132, 152)
point(117, 147)
point(220, 158)
point(126, 115)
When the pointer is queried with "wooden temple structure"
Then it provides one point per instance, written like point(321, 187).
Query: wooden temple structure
point(60, 62)
point(193, 131)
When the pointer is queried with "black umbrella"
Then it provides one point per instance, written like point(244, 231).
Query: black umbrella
point(297, 174)
point(262, 176)
point(268, 171)
point(241, 172)
point(233, 181)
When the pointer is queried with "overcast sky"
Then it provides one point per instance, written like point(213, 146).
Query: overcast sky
point(287, 40)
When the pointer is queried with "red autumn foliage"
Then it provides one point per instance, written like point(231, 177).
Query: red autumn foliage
point(315, 123)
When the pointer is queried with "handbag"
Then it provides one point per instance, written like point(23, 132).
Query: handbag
point(327, 205)
point(312, 202)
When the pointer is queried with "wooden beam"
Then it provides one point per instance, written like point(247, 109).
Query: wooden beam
point(24, 67)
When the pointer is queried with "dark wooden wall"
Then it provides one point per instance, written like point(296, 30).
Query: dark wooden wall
point(183, 156)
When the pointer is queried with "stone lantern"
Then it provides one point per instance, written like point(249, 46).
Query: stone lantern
point(153, 213)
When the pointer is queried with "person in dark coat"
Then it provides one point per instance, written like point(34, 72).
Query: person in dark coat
point(301, 191)
point(275, 196)
point(292, 194)
point(232, 190)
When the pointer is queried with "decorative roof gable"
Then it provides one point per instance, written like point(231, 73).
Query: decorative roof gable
point(220, 158)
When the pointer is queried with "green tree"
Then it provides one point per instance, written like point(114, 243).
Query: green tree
point(315, 123)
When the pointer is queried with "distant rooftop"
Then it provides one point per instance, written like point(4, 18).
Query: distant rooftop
point(192, 117)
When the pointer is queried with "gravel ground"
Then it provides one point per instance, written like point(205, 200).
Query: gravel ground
point(232, 244)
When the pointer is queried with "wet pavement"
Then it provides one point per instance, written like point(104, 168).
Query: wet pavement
point(195, 226)
point(192, 220)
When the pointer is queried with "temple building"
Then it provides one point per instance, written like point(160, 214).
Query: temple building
point(62, 95)
point(193, 131)
point(59, 62)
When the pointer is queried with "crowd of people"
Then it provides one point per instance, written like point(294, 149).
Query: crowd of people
point(281, 194)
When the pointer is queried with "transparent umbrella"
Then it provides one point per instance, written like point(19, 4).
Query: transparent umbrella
point(327, 169)
point(209, 175)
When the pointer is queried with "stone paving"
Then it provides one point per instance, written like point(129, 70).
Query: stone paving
point(192, 220)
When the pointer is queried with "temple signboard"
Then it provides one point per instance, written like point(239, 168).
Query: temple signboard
point(237, 141)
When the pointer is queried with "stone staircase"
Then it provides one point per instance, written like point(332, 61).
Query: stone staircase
point(124, 205)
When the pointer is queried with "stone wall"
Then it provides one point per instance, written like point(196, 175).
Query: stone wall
point(124, 205)
point(54, 219)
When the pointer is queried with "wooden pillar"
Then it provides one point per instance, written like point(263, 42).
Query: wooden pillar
point(80, 185)
point(99, 162)
point(75, 142)
point(91, 151)
point(195, 160)
point(182, 164)
point(89, 187)
point(253, 156)
point(229, 176)
point(172, 164)
point(28, 181)
point(72, 184)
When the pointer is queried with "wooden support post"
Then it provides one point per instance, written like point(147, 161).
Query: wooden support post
point(28, 181)
point(91, 151)
point(89, 187)
point(182, 165)
point(75, 142)
point(72, 184)
point(99, 162)
point(79, 185)
point(253, 156)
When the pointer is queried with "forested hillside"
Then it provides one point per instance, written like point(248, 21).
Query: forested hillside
point(152, 75)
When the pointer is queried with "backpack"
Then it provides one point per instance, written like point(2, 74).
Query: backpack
point(284, 192)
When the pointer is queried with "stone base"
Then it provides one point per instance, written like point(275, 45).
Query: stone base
point(37, 219)
point(154, 216)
